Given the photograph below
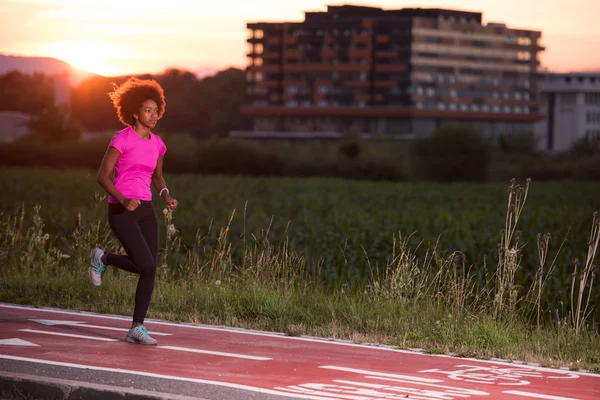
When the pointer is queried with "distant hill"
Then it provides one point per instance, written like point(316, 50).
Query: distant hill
point(53, 66)
point(45, 65)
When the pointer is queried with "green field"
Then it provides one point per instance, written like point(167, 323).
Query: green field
point(354, 246)
point(328, 218)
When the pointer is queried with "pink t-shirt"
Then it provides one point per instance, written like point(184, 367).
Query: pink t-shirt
point(135, 166)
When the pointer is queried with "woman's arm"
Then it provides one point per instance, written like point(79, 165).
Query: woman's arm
point(106, 168)
point(159, 183)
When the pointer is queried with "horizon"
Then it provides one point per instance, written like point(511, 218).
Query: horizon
point(186, 36)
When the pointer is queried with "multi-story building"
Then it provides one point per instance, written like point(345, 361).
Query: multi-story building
point(571, 106)
point(390, 71)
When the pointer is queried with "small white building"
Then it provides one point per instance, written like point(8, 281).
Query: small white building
point(571, 105)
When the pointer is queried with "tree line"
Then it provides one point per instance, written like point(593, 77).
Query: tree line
point(207, 107)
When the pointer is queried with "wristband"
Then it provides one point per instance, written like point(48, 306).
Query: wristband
point(162, 190)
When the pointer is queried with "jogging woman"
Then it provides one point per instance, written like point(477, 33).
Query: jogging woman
point(135, 154)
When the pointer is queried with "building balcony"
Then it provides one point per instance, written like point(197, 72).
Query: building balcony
point(356, 84)
point(358, 39)
point(272, 55)
point(321, 67)
point(389, 84)
point(354, 53)
point(264, 68)
point(391, 67)
point(386, 54)
point(274, 40)
point(386, 111)
point(293, 53)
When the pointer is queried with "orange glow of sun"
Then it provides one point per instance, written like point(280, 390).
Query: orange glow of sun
point(90, 55)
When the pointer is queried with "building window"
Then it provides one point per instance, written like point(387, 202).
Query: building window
point(258, 34)
point(568, 98)
point(258, 48)
point(524, 41)
point(592, 99)
point(593, 117)
point(593, 134)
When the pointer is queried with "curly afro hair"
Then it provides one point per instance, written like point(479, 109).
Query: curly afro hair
point(128, 98)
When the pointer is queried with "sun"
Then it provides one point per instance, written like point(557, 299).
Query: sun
point(90, 55)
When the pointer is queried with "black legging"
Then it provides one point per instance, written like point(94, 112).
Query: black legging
point(138, 233)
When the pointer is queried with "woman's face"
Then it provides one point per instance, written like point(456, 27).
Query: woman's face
point(148, 114)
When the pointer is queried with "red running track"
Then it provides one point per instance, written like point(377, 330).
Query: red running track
point(301, 368)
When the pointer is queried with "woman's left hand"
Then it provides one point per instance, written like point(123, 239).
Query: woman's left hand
point(171, 203)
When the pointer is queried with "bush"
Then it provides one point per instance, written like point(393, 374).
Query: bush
point(54, 124)
point(350, 149)
point(585, 146)
point(518, 142)
point(73, 154)
point(583, 168)
point(452, 153)
point(182, 153)
point(237, 158)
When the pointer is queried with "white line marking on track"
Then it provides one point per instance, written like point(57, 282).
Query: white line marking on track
point(69, 335)
point(51, 322)
point(215, 353)
point(174, 378)
point(394, 376)
point(17, 342)
point(431, 389)
point(283, 336)
point(110, 328)
point(536, 395)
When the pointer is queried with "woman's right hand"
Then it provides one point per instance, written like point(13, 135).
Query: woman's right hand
point(131, 204)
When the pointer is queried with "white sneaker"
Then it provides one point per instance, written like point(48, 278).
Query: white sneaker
point(139, 335)
point(97, 267)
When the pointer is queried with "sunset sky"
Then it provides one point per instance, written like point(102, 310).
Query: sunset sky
point(114, 37)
